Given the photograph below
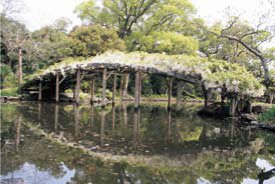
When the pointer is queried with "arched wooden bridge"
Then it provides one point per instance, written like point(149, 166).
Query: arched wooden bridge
point(191, 69)
point(70, 71)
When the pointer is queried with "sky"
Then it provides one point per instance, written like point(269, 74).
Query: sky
point(38, 13)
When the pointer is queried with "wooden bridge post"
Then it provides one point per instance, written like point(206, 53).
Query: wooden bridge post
point(77, 87)
point(114, 89)
point(170, 85)
point(40, 91)
point(179, 93)
point(137, 87)
point(57, 88)
point(92, 90)
point(104, 87)
point(140, 87)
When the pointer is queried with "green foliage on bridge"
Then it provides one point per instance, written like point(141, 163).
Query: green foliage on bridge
point(213, 73)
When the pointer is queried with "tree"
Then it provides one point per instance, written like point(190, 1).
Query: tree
point(126, 16)
point(158, 42)
point(13, 37)
point(95, 39)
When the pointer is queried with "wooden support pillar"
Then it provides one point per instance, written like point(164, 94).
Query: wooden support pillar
point(140, 87)
point(57, 88)
point(121, 88)
point(77, 87)
point(170, 84)
point(40, 91)
point(233, 106)
point(205, 94)
point(179, 91)
point(125, 90)
point(103, 101)
point(137, 87)
point(92, 90)
point(114, 89)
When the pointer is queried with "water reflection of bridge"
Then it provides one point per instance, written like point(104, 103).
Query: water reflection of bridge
point(197, 156)
point(141, 131)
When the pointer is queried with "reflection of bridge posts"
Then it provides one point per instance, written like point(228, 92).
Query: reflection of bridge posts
point(170, 85)
point(40, 91)
point(135, 128)
point(125, 126)
point(57, 88)
point(56, 110)
point(39, 112)
point(92, 90)
point(114, 89)
point(76, 120)
point(92, 116)
point(113, 119)
point(102, 127)
point(18, 129)
point(103, 101)
point(168, 125)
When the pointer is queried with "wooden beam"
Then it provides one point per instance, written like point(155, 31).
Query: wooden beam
point(104, 87)
point(40, 91)
point(170, 85)
point(77, 87)
point(137, 87)
point(92, 90)
point(114, 89)
point(62, 80)
point(57, 88)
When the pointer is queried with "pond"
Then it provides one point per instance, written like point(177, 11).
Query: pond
point(48, 143)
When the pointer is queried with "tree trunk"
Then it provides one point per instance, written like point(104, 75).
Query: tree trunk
point(20, 70)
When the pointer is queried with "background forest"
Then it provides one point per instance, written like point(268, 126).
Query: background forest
point(153, 26)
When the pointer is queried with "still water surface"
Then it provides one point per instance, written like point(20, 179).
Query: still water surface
point(175, 147)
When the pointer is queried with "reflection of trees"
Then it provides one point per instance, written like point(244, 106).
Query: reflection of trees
point(197, 147)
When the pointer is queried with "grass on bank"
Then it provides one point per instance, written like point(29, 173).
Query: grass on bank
point(10, 92)
point(268, 116)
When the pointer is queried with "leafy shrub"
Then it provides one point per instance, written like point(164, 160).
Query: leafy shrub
point(268, 116)
point(9, 92)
